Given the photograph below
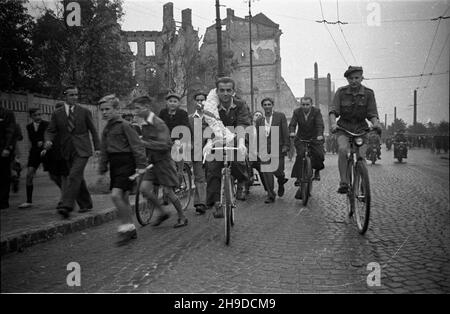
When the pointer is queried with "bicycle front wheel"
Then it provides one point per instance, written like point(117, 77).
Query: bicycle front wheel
point(306, 180)
point(361, 191)
point(144, 210)
point(228, 202)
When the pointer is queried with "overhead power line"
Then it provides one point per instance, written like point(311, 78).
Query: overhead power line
point(342, 32)
point(429, 51)
point(405, 76)
point(326, 26)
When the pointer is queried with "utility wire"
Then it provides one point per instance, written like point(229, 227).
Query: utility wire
point(326, 26)
point(429, 51)
point(405, 76)
point(434, 67)
point(342, 32)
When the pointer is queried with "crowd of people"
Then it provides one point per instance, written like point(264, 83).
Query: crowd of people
point(130, 143)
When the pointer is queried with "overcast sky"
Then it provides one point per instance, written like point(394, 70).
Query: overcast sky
point(401, 45)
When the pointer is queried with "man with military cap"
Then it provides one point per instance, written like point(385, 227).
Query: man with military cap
point(353, 104)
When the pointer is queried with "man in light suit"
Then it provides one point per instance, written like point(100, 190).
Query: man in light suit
point(270, 119)
point(71, 124)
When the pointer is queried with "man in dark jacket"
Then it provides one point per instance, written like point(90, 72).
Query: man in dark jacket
point(7, 129)
point(310, 127)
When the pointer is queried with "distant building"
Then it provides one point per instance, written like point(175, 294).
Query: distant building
point(267, 79)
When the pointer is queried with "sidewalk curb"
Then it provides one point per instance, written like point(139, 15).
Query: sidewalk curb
point(21, 240)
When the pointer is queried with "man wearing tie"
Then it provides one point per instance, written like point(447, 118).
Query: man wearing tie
point(72, 124)
point(270, 119)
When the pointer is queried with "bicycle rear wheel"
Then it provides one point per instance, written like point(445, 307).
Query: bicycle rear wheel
point(306, 180)
point(184, 191)
point(144, 210)
point(361, 191)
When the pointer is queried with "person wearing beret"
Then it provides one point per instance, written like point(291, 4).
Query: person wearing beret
point(352, 104)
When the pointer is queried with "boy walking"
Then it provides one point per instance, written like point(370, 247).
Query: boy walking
point(122, 149)
point(156, 139)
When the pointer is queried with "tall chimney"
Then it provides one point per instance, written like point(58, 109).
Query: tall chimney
point(186, 18)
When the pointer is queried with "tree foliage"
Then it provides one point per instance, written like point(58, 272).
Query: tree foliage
point(15, 47)
point(95, 56)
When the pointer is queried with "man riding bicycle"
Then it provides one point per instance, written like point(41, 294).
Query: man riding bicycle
point(222, 105)
point(310, 127)
point(353, 104)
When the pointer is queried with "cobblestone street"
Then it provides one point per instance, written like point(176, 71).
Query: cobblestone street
point(277, 248)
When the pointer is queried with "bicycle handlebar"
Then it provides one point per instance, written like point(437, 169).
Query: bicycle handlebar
point(351, 133)
point(136, 175)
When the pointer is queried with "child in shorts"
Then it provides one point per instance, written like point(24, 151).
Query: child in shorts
point(122, 149)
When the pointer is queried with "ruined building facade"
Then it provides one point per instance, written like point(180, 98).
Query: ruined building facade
point(168, 63)
point(267, 79)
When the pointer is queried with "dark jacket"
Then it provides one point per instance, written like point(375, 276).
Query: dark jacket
point(179, 118)
point(37, 136)
point(307, 129)
point(354, 109)
point(118, 136)
point(7, 129)
point(78, 140)
point(279, 120)
point(237, 115)
point(156, 138)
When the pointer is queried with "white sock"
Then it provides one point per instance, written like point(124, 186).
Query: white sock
point(126, 227)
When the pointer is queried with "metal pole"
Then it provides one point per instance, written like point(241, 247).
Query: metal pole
point(251, 54)
point(385, 121)
point(316, 84)
point(415, 108)
point(219, 40)
point(395, 114)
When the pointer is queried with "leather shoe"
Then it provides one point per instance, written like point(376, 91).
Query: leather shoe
point(297, 182)
point(181, 223)
point(269, 200)
point(281, 186)
point(317, 175)
point(64, 212)
point(200, 209)
point(343, 188)
point(298, 194)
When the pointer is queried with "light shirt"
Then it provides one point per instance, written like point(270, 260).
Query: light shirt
point(67, 107)
point(36, 126)
point(306, 114)
point(197, 115)
point(150, 118)
point(268, 124)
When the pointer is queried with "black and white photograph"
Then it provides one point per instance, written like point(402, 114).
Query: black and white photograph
point(224, 154)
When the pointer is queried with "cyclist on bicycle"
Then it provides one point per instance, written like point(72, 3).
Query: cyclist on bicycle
point(156, 139)
point(231, 111)
point(310, 127)
point(353, 104)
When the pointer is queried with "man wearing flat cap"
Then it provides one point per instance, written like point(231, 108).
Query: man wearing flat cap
point(352, 104)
